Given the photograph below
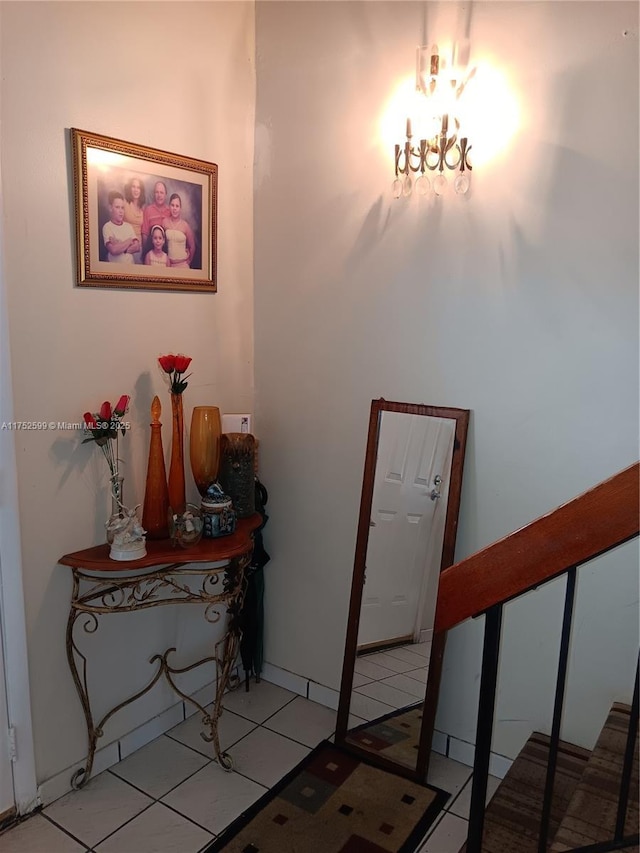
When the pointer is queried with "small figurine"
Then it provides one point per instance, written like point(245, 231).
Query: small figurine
point(128, 536)
point(185, 528)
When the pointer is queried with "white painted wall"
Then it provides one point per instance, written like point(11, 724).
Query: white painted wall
point(177, 76)
point(519, 302)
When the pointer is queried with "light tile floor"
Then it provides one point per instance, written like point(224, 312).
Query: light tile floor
point(171, 797)
point(388, 680)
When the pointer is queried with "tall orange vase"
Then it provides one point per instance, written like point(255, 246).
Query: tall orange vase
point(156, 494)
point(176, 466)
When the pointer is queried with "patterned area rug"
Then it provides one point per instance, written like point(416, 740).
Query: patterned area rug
point(395, 735)
point(333, 802)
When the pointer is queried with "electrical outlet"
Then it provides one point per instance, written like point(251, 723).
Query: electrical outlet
point(236, 423)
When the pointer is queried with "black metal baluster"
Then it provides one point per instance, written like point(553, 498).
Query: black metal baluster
point(623, 799)
point(486, 707)
point(563, 659)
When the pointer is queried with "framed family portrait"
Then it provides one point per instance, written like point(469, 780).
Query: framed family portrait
point(146, 219)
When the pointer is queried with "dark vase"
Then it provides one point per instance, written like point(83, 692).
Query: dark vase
point(237, 471)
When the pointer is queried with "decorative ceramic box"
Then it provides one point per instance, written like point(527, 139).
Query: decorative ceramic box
point(218, 513)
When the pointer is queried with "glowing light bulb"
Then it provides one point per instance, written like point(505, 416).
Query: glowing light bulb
point(435, 60)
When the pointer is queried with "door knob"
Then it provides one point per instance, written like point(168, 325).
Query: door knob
point(435, 491)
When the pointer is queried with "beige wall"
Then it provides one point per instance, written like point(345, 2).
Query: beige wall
point(177, 76)
point(519, 302)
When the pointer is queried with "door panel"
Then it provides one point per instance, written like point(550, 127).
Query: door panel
point(413, 449)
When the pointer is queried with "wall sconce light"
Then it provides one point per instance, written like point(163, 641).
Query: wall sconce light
point(437, 113)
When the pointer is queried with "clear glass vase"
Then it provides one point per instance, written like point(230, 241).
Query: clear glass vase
point(117, 504)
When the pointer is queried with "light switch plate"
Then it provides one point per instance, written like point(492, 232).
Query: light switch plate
point(236, 423)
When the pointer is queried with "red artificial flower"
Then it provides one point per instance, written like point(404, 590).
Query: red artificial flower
point(102, 427)
point(167, 363)
point(175, 366)
point(121, 406)
point(182, 362)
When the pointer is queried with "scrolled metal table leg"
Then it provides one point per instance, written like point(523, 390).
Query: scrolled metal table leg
point(235, 586)
point(81, 776)
point(230, 642)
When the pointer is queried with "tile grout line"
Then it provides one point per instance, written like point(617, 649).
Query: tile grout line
point(66, 831)
point(191, 820)
point(122, 825)
point(158, 799)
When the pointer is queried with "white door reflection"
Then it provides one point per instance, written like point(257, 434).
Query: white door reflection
point(406, 530)
point(404, 552)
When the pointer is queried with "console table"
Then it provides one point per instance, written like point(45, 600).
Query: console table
point(166, 575)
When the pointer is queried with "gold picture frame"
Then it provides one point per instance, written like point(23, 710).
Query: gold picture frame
point(124, 191)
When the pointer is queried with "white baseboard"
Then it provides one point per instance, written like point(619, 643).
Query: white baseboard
point(439, 742)
point(60, 784)
point(324, 695)
point(283, 678)
point(302, 686)
point(152, 729)
point(462, 751)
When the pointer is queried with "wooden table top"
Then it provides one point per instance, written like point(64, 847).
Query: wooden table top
point(96, 559)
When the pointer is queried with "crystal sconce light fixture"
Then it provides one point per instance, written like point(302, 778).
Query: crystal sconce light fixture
point(438, 121)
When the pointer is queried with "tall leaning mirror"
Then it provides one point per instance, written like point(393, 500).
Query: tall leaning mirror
point(406, 537)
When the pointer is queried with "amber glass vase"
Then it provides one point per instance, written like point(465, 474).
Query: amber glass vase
point(204, 446)
point(156, 493)
point(176, 465)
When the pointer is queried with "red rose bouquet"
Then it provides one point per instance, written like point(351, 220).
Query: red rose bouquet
point(103, 427)
point(175, 366)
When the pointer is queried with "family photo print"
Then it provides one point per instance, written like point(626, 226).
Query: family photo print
point(146, 219)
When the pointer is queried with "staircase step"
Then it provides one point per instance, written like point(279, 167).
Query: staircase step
point(512, 818)
point(591, 814)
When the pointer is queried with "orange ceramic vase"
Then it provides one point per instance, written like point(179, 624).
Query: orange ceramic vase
point(156, 494)
point(175, 483)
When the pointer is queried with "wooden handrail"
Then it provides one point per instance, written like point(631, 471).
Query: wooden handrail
point(578, 531)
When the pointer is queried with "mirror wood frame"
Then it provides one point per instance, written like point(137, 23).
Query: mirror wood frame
point(461, 418)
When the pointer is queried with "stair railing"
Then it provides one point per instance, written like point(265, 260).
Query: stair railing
point(554, 545)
